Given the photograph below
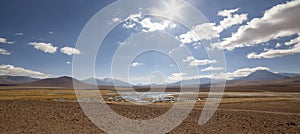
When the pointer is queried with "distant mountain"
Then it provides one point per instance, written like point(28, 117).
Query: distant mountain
point(7, 79)
point(107, 82)
point(262, 75)
point(202, 81)
point(252, 79)
point(289, 74)
point(64, 81)
point(278, 83)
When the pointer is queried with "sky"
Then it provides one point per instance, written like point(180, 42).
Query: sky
point(38, 38)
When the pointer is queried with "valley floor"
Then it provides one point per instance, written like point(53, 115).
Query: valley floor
point(37, 116)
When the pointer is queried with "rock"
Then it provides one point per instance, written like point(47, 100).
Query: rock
point(291, 124)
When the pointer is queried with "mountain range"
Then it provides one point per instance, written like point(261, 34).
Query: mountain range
point(64, 81)
point(258, 77)
point(6, 79)
point(106, 82)
point(264, 75)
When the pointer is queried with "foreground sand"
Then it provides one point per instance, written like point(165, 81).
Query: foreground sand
point(35, 116)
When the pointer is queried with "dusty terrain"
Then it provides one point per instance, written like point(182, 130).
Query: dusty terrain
point(36, 111)
point(20, 116)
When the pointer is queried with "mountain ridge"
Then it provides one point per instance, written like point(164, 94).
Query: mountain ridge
point(8, 79)
point(262, 75)
point(64, 81)
point(106, 82)
point(257, 77)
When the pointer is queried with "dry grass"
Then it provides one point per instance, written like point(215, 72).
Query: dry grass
point(37, 94)
point(42, 94)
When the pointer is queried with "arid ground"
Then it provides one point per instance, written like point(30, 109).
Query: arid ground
point(56, 111)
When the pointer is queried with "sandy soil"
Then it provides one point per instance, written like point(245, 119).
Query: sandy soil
point(33, 116)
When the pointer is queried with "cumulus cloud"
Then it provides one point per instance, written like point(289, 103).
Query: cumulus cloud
point(207, 31)
point(131, 20)
point(4, 52)
point(195, 62)
point(45, 47)
point(176, 76)
point(227, 12)
point(4, 40)
point(228, 76)
point(147, 24)
point(275, 53)
point(134, 17)
point(236, 74)
point(68, 62)
point(19, 71)
point(231, 19)
point(136, 64)
point(150, 26)
point(271, 53)
point(70, 51)
point(280, 21)
point(211, 68)
point(200, 32)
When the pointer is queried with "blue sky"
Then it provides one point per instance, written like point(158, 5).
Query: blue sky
point(38, 38)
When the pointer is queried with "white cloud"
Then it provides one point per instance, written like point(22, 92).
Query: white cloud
point(114, 20)
point(278, 45)
point(196, 62)
point(19, 34)
point(4, 52)
point(231, 19)
point(147, 24)
point(280, 21)
point(51, 32)
point(136, 64)
point(271, 53)
point(150, 26)
point(244, 72)
point(227, 12)
point(3, 40)
point(45, 47)
point(131, 20)
point(203, 31)
point(19, 71)
point(68, 62)
point(134, 17)
point(129, 25)
point(236, 74)
point(211, 68)
point(207, 31)
point(228, 76)
point(70, 51)
point(293, 41)
point(176, 76)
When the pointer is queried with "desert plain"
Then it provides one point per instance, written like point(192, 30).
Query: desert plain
point(256, 109)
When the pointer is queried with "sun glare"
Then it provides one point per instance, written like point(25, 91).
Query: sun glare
point(171, 9)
